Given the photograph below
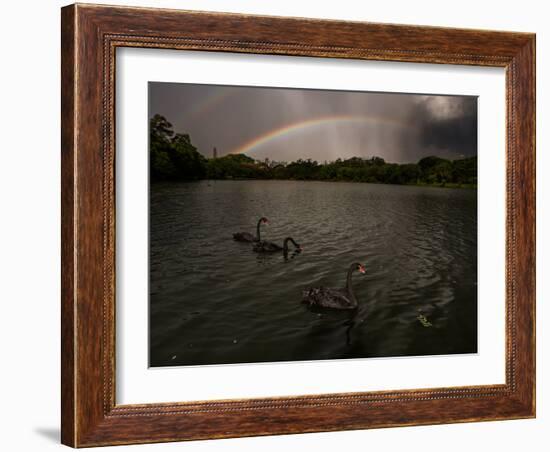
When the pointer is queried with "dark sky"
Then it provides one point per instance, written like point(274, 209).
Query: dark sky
point(285, 124)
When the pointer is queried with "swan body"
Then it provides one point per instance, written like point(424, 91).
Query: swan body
point(270, 247)
point(332, 298)
point(247, 236)
point(244, 237)
point(266, 247)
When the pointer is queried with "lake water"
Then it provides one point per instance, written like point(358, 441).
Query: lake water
point(214, 301)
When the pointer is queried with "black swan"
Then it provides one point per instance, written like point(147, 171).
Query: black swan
point(270, 247)
point(247, 236)
point(327, 297)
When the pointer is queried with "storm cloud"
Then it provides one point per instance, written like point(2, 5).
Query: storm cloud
point(285, 124)
point(447, 126)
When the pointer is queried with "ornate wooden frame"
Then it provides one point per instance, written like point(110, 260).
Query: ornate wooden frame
point(90, 35)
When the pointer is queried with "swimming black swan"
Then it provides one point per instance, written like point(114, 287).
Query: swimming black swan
point(270, 247)
point(327, 297)
point(247, 236)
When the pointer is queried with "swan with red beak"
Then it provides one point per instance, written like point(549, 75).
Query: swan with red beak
point(335, 298)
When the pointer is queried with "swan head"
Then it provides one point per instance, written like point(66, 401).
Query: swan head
point(264, 220)
point(361, 268)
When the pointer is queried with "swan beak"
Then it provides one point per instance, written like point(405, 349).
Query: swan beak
point(362, 269)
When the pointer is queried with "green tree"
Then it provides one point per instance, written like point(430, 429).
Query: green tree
point(160, 136)
point(172, 156)
point(189, 163)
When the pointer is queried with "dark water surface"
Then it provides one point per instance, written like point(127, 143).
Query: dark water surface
point(213, 300)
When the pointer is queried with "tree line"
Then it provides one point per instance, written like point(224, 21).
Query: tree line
point(173, 157)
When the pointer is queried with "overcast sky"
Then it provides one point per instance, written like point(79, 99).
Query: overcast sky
point(287, 124)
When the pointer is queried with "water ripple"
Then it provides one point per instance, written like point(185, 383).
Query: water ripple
point(213, 300)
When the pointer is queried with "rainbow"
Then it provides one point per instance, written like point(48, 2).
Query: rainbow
point(298, 127)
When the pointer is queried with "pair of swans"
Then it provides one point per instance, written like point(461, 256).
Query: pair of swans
point(263, 246)
point(324, 297)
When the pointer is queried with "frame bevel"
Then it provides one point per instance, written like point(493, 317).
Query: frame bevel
point(90, 36)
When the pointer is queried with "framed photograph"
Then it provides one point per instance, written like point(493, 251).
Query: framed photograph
point(282, 225)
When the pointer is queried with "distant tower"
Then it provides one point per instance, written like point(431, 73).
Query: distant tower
point(215, 153)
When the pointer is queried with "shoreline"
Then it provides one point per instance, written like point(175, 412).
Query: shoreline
point(236, 179)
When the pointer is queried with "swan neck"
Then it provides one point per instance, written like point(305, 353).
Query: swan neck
point(285, 243)
point(258, 229)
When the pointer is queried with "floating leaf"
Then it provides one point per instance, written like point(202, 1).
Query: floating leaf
point(424, 321)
